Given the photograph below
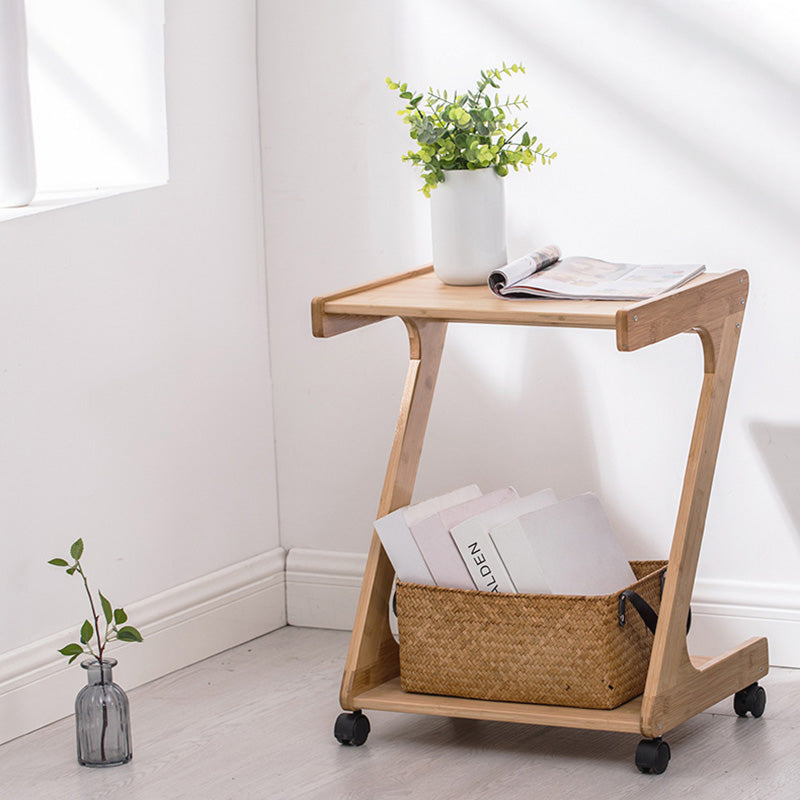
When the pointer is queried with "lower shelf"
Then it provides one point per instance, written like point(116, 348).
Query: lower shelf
point(390, 697)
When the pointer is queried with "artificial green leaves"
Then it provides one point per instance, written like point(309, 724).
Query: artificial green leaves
point(94, 638)
point(469, 130)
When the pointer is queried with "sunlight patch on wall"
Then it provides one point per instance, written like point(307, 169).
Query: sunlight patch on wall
point(98, 98)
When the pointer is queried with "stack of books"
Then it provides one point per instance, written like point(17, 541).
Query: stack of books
point(501, 542)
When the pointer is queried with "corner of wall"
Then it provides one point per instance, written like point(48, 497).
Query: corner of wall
point(180, 626)
point(322, 588)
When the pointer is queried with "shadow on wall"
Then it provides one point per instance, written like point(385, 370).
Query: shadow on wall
point(523, 426)
point(779, 446)
point(590, 68)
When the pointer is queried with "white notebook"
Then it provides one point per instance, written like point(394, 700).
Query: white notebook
point(477, 549)
point(395, 534)
point(519, 558)
point(432, 536)
point(565, 548)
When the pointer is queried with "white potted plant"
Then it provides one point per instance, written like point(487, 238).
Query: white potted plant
point(465, 144)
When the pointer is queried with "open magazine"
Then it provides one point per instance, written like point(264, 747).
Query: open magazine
point(544, 273)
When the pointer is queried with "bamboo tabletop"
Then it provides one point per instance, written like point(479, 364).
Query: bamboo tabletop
point(420, 294)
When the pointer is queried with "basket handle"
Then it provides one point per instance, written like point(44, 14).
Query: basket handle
point(649, 617)
point(645, 610)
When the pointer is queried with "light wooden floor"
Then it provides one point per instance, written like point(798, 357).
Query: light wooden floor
point(257, 722)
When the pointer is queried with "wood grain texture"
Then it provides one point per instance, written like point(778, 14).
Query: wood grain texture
point(710, 305)
point(323, 324)
point(675, 688)
point(373, 657)
point(420, 294)
point(701, 303)
point(390, 697)
point(256, 723)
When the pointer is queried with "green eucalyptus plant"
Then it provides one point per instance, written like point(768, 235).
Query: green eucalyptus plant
point(469, 130)
point(93, 637)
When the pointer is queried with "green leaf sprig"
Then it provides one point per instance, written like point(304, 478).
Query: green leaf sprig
point(468, 130)
point(93, 639)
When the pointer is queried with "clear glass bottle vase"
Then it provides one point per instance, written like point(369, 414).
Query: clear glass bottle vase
point(102, 718)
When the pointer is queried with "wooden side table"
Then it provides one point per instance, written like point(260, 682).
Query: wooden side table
point(678, 685)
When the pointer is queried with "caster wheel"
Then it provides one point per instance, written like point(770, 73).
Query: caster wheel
point(652, 756)
point(351, 728)
point(752, 699)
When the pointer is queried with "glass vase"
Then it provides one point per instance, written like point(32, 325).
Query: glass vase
point(102, 718)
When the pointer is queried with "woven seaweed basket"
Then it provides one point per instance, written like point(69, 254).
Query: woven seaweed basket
point(548, 649)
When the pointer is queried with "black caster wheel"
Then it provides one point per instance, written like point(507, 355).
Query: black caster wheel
point(752, 699)
point(652, 756)
point(351, 728)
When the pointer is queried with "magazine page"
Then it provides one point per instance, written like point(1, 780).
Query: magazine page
point(592, 279)
point(524, 267)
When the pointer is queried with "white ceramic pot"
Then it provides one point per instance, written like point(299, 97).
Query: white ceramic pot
point(17, 165)
point(468, 223)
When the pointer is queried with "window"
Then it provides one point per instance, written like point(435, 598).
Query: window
point(97, 96)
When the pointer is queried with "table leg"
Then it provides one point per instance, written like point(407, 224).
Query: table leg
point(373, 655)
point(677, 690)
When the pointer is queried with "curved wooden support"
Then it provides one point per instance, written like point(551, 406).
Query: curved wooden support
point(373, 655)
point(676, 689)
point(703, 305)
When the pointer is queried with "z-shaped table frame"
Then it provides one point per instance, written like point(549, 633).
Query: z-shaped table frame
point(678, 685)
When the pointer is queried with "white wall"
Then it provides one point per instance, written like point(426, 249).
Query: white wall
point(134, 365)
point(675, 124)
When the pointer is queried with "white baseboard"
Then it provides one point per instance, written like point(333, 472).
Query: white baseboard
point(726, 613)
point(180, 626)
point(322, 589)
